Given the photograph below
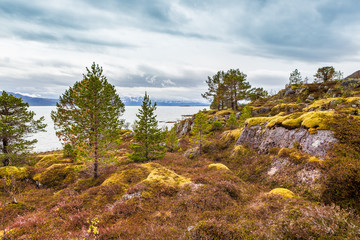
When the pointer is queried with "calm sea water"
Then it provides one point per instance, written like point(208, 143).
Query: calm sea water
point(48, 141)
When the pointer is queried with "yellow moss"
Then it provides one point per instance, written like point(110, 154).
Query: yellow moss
point(166, 177)
point(128, 176)
point(223, 112)
point(322, 102)
point(231, 134)
point(57, 174)
point(48, 160)
point(239, 150)
point(13, 172)
point(317, 119)
point(282, 192)
point(284, 152)
point(312, 130)
point(315, 160)
point(218, 166)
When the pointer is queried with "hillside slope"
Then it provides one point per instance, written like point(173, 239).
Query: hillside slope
point(290, 171)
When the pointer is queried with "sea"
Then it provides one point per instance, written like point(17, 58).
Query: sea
point(166, 115)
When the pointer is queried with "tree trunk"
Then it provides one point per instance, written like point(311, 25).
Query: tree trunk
point(6, 159)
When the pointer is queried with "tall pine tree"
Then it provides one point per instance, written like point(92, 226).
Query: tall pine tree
point(88, 116)
point(148, 136)
point(16, 123)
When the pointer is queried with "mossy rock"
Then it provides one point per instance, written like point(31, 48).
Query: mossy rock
point(129, 176)
point(320, 120)
point(163, 180)
point(18, 173)
point(58, 175)
point(48, 160)
point(218, 166)
point(283, 192)
point(231, 134)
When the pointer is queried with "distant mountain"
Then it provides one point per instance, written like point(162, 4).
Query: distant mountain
point(137, 101)
point(36, 101)
point(128, 101)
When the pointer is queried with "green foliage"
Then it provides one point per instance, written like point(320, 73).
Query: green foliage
point(69, 151)
point(148, 136)
point(216, 125)
point(200, 130)
point(16, 123)
point(325, 74)
point(87, 116)
point(232, 122)
point(257, 93)
point(295, 77)
point(245, 114)
point(225, 89)
point(172, 141)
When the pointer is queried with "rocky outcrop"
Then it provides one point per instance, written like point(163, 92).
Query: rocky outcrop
point(262, 138)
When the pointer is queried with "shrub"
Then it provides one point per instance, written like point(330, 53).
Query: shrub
point(216, 125)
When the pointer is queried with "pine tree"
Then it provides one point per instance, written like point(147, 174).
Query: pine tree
point(16, 123)
point(172, 141)
point(200, 130)
point(232, 122)
point(148, 136)
point(88, 116)
point(295, 77)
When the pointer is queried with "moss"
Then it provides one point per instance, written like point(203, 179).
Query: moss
point(231, 134)
point(48, 160)
point(218, 166)
point(128, 176)
point(283, 192)
point(223, 112)
point(318, 119)
point(239, 150)
point(58, 175)
point(326, 101)
point(14, 172)
point(166, 177)
point(315, 160)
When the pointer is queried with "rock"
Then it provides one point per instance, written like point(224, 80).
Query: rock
point(310, 97)
point(263, 139)
point(353, 83)
point(289, 91)
point(261, 111)
point(185, 127)
point(237, 115)
point(193, 152)
point(332, 103)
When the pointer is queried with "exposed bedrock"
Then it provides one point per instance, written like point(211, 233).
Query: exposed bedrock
point(262, 138)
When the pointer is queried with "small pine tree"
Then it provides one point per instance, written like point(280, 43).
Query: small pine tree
point(172, 141)
point(200, 130)
point(148, 136)
point(16, 123)
point(232, 122)
point(245, 114)
point(295, 77)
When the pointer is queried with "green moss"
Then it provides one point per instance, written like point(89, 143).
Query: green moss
point(218, 166)
point(283, 192)
point(48, 160)
point(14, 172)
point(326, 101)
point(57, 175)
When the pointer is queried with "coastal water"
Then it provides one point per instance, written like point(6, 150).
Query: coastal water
point(48, 141)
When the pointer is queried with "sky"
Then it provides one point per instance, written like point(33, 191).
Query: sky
point(169, 47)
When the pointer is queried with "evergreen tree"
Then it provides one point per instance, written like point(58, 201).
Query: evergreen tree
point(295, 77)
point(148, 136)
point(88, 114)
point(325, 74)
point(172, 141)
point(16, 123)
point(245, 114)
point(200, 130)
point(232, 122)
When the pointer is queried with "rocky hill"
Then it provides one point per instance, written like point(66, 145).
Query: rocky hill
point(291, 170)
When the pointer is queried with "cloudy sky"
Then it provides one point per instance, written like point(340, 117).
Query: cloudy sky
point(168, 48)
